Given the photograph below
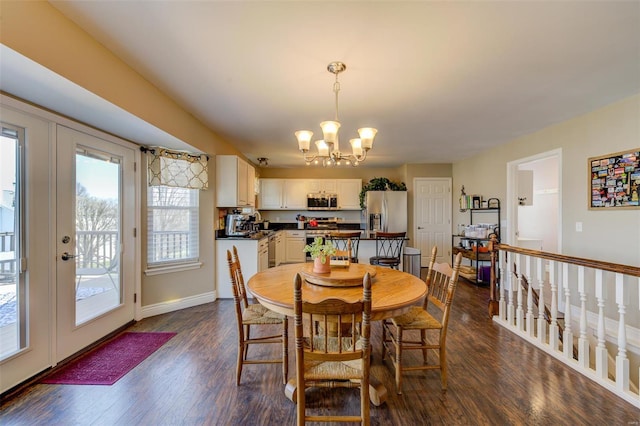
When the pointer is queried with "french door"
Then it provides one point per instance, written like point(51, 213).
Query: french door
point(95, 257)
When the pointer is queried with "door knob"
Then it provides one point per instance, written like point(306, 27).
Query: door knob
point(66, 256)
point(420, 227)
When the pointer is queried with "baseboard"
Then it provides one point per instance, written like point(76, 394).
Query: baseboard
point(176, 305)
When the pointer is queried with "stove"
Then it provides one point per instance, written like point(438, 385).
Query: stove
point(323, 227)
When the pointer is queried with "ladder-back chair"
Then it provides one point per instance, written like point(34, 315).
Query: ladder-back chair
point(441, 286)
point(326, 360)
point(254, 315)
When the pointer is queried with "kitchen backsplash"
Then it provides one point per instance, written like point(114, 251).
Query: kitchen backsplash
point(290, 215)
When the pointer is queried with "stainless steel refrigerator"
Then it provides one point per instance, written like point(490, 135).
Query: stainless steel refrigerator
point(387, 211)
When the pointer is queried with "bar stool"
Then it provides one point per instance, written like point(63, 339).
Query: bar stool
point(388, 249)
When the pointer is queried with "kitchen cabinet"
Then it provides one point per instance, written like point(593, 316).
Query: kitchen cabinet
point(234, 182)
point(327, 186)
point(348, 191)
point(283, 194)
point(253, 256)
point(291, 194)
point(280, 254)
point(294, 245)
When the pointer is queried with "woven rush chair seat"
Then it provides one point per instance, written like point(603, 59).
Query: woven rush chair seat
point(416, 319)
point(258, 314)
point(441, 285)
point(254, 315)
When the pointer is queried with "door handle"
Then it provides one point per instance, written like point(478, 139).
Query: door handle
point(420, 227)
point(66, 256)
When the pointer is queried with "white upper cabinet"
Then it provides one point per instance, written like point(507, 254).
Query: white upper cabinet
point(348, 191)
point(291, 194)
point(234, 182)
point(327, 186)
point(283, 194)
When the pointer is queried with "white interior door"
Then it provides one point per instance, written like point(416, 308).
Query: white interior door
point(95, 259)
point(432, 218)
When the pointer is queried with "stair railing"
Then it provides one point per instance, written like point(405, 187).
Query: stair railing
point(593, 297)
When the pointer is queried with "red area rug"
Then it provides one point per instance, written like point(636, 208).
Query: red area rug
point(106, 364)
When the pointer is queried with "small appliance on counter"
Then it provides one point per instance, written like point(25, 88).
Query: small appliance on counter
point(238, 225)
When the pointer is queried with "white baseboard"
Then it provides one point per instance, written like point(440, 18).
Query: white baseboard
point(176, 305)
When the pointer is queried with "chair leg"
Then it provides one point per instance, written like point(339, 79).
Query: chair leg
point(285, 351)
point(247, 334)
point(384, 339)
point(443, 367)
point(241, 353)
point(423, 339)
point(398, 348)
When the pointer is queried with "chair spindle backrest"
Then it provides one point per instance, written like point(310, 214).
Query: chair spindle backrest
point(389, 244)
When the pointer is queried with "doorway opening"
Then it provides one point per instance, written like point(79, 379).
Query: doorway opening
point(534, 202)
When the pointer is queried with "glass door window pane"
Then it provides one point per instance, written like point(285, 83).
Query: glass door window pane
point(98, 288)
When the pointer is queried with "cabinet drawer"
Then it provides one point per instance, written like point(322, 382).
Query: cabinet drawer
point(296, 234)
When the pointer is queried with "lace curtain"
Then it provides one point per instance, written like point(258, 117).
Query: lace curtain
point(177, 169)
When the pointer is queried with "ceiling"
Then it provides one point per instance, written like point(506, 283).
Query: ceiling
point(441, 80)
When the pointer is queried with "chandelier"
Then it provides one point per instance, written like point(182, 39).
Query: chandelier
point(329, 153)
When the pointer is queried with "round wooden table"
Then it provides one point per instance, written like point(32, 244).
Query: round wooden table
point(392, 293)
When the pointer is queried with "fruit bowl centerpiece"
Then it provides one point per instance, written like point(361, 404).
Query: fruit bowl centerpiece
point(320, 252)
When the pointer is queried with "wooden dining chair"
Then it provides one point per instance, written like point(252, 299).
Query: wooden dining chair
point(254, 315)
point(341, 239)
point(441, 286)
point(388, 249)
point(326, 360)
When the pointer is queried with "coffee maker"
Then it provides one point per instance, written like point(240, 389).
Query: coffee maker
point(238, 225)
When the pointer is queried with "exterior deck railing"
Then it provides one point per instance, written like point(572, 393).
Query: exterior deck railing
point(580, 302)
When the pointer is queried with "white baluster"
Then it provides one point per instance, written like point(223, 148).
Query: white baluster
point(583, 342)
point(567, 336)
point(519, 310)
point(505, 276)
point(542, 323)
point(530, 317)
point(601, 349)
point(554, 332)
point(622, 362)
point(512, 282)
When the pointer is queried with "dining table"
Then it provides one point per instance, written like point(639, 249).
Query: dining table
point(393, 292)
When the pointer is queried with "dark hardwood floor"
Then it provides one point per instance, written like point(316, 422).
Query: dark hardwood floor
point(495, 378)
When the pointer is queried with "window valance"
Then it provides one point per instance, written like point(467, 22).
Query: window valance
point(177, 169)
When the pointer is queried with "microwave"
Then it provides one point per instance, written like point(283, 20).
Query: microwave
point(322, 201)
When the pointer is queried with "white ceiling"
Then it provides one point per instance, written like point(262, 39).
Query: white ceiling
point(440, 80)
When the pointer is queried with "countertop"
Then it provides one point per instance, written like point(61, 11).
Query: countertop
point(364, 235)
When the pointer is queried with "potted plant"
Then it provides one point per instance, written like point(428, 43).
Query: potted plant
point(320, 253)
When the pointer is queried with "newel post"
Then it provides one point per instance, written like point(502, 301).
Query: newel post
point(493, 296)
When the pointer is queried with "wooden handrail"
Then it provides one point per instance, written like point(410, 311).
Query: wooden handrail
point(495, 247)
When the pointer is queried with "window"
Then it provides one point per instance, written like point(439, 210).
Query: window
point(172, 226)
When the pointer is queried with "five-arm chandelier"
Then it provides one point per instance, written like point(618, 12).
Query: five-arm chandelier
point(329, 153)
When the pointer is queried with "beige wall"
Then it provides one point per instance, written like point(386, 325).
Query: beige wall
point(38, 31)
point(611, 235)
point(608, 235)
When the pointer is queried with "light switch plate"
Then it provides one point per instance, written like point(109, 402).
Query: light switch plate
point(578, 226)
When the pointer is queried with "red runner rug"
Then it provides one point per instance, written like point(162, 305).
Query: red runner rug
point(106, 364)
